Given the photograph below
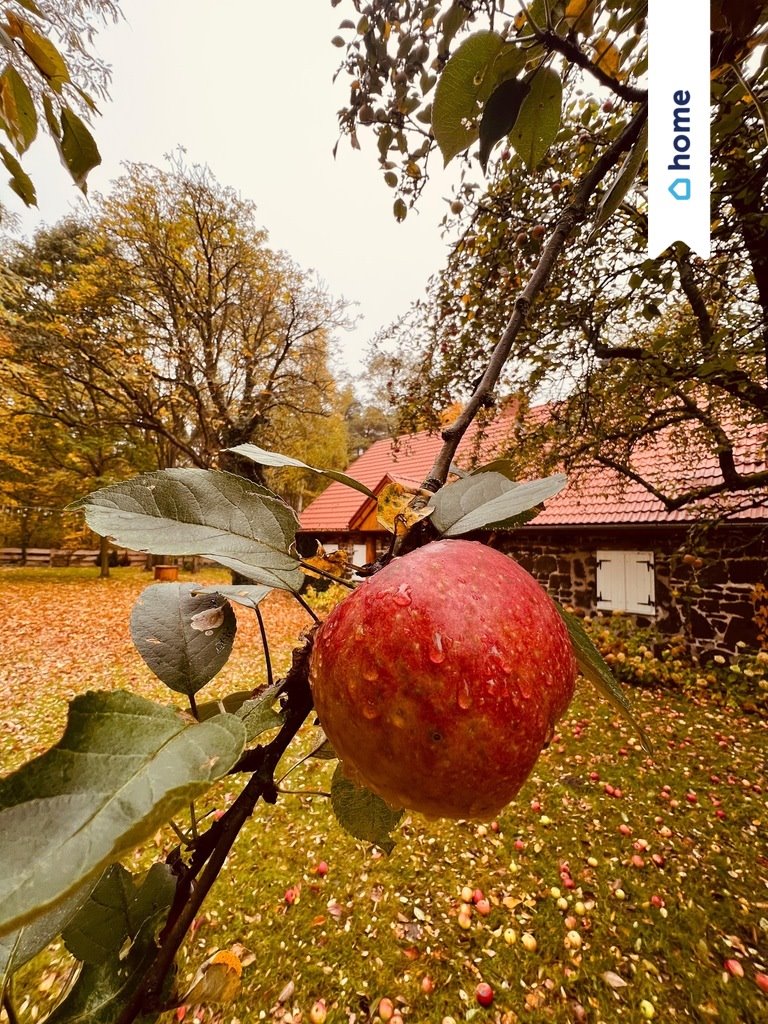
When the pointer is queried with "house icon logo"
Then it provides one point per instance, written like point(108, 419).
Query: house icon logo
point(681, 188)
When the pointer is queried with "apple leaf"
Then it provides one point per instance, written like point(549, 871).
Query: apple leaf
point(499, 114)
point(44, 56)
point(228, 705)
point(324, 750)
point(122, 768)
point(267, 458)
point(538, 122)
point(593, 667)
point(117, 910)
point(183, 635)
point(362, 813)
point(490, 500)
point(463, 85)
point(18, 109)
point(629, 170)
point(233, 521)
point(248, 597)
point(78, 147)
point(20, 181)
point(19, 947)
point(258, 714)
point(103, 990)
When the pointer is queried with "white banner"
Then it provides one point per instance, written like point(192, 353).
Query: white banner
point(678, 125)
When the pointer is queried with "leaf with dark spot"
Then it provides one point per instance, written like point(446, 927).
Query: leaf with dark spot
point(500, 114)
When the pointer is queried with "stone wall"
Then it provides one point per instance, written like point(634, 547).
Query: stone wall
point(704, 582)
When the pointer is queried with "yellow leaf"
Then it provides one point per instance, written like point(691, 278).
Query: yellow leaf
point(606, 56)
point(336, 563)
point(217, 981)
point(579, 14)
point(395, 511)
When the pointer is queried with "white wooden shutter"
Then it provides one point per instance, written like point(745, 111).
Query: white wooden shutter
point(611, 592)
point(640, 582)
point(626, 582)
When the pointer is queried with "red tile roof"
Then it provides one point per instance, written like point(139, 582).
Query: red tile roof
point(595, 496)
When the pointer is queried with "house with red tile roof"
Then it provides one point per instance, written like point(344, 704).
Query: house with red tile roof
point(603, 544)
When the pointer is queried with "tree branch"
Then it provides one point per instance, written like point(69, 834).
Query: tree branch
point(212, 848)
point(574, 213)
point(552, 41)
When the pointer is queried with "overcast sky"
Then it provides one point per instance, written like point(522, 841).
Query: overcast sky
point(246, 87)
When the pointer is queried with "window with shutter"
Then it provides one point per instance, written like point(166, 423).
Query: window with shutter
point(626, 582)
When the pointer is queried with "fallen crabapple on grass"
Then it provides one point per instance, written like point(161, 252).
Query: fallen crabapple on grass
point(378, 925)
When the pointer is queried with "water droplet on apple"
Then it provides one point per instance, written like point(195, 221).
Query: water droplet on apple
point(436, 653)
point(371, 710)
point(464, 700)
point(398, 720)
point(403, 595)
point(524, 686)
point(370, 673)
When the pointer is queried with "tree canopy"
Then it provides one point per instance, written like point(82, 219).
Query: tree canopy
point(550, 99)
point(163, 330)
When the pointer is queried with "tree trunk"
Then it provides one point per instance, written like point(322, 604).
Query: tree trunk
point(103, 558)
point(24, 537)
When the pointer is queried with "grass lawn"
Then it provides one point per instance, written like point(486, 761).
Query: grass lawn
point(620, 888)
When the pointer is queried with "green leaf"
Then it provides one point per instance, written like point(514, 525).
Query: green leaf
point(593, 667)
point(324, 750)
point(54, 125)
point(228, 705)
point(19, 947)
point(538, 122)
point(183, 635)
point(499, 114)
point(489, 500)
point(629, 170)
point(450, 23)
point(122, 768)
point(258, 715)
point(78, 147)
point(201, 512)
point(462, 87)
point(362, 813)
point(248, 597)
point(20, 181)
point(118, 908)
point(266, 458)
point(103, 990)
point(18, 109)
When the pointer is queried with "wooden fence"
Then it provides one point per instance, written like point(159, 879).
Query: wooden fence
point(66, 557)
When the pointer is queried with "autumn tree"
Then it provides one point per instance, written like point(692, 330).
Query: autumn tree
point(625, 348)
point(60, 419)
point(170, 312)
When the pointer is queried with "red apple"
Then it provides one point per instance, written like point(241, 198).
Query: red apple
point(440, 678)
point(484, 994)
